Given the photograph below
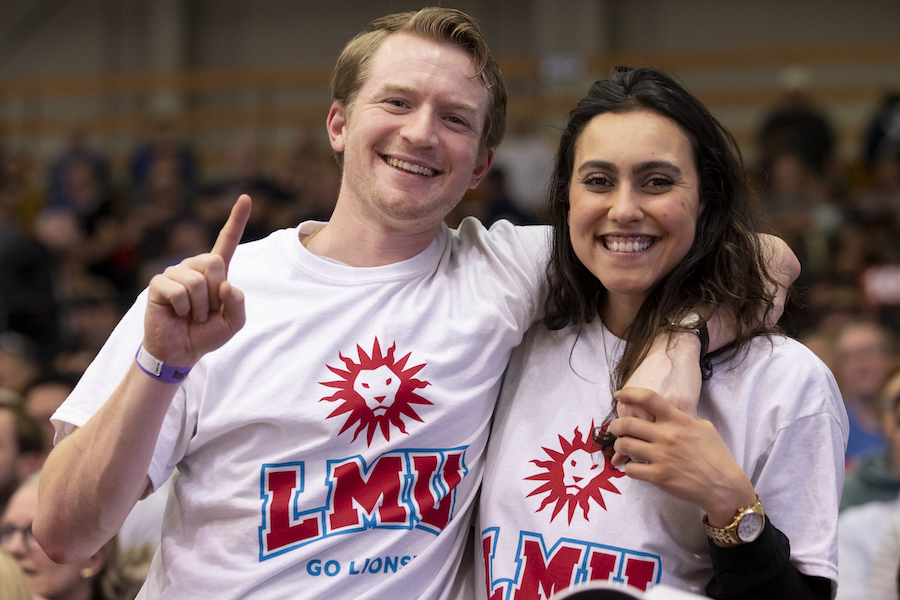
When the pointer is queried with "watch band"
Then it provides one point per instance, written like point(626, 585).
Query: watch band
point(729, 534)
point(157, 369)
point(695, 323)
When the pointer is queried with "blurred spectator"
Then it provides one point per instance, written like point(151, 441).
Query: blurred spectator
point(103, 576)
point(884, 579)
point(163, 155)
point(856, 248)
point(79, 256)
point(18, 199)
point(804, 213)
point(797, 126)
point(881, 200)
point(882, 136)
point(526, 156)
point(864, 354)
point(90, 233)
point(20, 446)
point(163, 188)
point(80, 177)
point(245, 176)
point(824, 306)
point(876, 475)
point(187, 236)
point(44, 397)
point(489, 203)
point(499, 203)
point(13, 584)
point(19, 361)
point(92, 312)
point(311, 176)
point(28, 301)
point(84, 189)
point(861, 530)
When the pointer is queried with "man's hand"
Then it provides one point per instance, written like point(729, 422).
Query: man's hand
point(784, 267)
point(672, 370)
point(192, 307)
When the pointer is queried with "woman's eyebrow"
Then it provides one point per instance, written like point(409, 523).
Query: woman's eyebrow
point(597, 164)
point(656, 164)
point(638, 168)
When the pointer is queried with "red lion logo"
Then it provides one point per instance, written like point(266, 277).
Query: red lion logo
point(377, 392)
point(574, 475)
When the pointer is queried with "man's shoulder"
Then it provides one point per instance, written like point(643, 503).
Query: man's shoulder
point(250, 256)
point(534, 239)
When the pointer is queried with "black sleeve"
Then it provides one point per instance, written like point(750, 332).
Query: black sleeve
point(762, 570)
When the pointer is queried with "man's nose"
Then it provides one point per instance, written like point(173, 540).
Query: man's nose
point(420, 128)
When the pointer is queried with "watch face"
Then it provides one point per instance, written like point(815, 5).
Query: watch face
point(750, 526)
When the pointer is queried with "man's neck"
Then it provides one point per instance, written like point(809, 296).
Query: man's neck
point(357, 242)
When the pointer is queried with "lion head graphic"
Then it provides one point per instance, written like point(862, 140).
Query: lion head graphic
point(574, 475)
point(376, 393)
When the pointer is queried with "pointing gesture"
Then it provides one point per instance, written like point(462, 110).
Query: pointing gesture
point(231, 233)
point(192, 308)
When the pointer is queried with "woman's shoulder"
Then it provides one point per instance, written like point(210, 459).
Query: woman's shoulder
point(780, 372)
point(782, 355)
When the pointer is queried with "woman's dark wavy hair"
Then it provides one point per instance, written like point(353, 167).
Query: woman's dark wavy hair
point(725, 266)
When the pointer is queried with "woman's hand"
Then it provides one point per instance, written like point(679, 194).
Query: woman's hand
point(682, 455)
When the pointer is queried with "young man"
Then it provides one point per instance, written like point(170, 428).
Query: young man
point(333, 447)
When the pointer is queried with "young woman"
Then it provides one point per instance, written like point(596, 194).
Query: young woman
point(103, 576)
point(652, 215)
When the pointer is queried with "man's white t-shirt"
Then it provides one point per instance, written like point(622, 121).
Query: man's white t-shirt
point(334, 447)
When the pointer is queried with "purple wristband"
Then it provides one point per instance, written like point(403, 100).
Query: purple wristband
point(156, 369)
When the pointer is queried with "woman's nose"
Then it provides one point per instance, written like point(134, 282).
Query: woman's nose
point(626, 206)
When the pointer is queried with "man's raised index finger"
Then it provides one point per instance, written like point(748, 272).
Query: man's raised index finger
point(231, 233)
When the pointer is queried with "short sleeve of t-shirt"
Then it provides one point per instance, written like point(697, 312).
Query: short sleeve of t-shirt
point(102, 378)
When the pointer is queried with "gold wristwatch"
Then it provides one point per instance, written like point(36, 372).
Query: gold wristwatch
point(746, 526)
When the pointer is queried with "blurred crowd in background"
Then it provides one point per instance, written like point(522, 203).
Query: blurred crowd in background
point(76, 250)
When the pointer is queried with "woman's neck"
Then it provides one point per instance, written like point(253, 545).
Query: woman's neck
point(618, 313)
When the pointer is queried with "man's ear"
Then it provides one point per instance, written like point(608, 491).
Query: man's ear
point(337, 118)
point(482, 166)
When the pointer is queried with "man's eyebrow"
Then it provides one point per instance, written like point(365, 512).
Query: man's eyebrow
point(463, 106)
point(396, 88)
